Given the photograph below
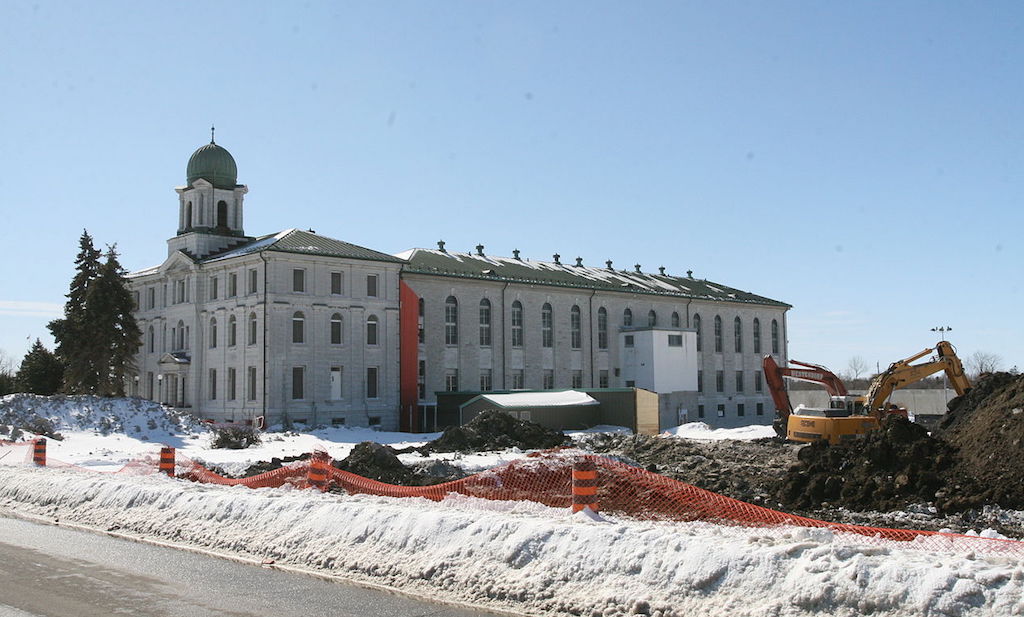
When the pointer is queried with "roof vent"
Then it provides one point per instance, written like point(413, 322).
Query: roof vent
point(557, 257)
point(661, 269)
point(312, 231)
point(440, 246)
point(637, 266)
point(689, 274)
point(579, 262)
point(609, 264)
point(480, 250)
point(515, 254)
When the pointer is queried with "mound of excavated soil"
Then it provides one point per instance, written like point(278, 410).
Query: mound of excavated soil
point(494, 430)
point(744, 470)
point(894, 467)
point(379, 462)
point(987, 426)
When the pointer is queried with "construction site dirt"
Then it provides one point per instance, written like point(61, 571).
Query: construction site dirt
point(964, 475)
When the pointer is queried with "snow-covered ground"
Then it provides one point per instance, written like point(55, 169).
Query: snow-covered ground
point(520, 556)
point(702, 432)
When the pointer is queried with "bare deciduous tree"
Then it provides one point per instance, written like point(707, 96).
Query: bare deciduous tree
point(856, 367)
point(983, 362)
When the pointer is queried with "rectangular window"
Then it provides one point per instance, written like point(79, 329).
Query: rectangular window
point(373, 420)
point(485, 324)
point(739, 381)
point(214, 287)
point(336, 283)
point(336, 390)
point(700, 411)
point(371, 285)
point(719, 381)
point(760, 409)
point(151, 298)
point(213, 384)
point(371, 382)
point(299, 280)
point(336, 330)
point(518, 379)
point(337, 421)
point(252, 383)
point(675, 340)
point(629, 340)
point(577, 379)
point(721, 411)
point(700, 380)
point(630, 383)
point(149, 385)
point(298, 382)
point(758, 384)
point(485, 380)
point(549, 379)
point(253, 281)
point(451, 380)
point(602, 379)
point(232, 285)
point(517, 324)
point(135, 301)
point(232, 384)
point(421, 380)
point(740, 409)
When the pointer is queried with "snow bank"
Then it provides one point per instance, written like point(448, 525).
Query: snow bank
point(703, 432)
point(525, 557)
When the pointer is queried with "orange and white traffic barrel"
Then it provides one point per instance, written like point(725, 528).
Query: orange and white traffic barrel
point(584, 485)
point(167, 460)
point(39, 452)
point(319, 463)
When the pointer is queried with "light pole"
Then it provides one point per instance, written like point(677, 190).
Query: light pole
point(942, 330)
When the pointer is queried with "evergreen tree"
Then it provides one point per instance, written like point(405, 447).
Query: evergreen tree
point(74, 334)
point(109, 309)
point(98, 336)
point(40, 372)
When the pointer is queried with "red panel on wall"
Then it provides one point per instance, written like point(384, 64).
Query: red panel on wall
point(408, 341)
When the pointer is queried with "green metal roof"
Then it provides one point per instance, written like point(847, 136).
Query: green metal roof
point(213, 164)
point(485, 267)
point(303, 243)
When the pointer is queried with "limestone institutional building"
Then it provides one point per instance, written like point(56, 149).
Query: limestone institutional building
point(241, 328)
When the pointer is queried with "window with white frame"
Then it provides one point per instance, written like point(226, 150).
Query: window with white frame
point(485, 323)
point(371, 330)
point(298, 327)
point(298, 280)
point(336, 329)
point(517, 324)
point(451, 321)
point(546, 326)
point(575, 328)
point(371, 285)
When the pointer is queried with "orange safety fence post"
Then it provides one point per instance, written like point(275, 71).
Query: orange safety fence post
point(167, 460)
point(319, 463)
point(39, 452)
point(584, 485)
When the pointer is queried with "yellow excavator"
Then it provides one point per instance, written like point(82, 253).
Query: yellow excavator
point(846, 419)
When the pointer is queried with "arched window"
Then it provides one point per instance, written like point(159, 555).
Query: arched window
point(336, 329)
point(718, 334)
point(675, 319)
point(188, 215)
point(757, 335)
point(517, 324)
point(547, 336)
point(652, 318)
point(252, 328)
point(575, 328)
point(627, 318)
point(152, 340)
point(775, 336)
point(222, 213)
point(371, 330)
point(419, 321)
point(485, 323)
point(700, 333)
point(451, 321)
point(213, 332)
point(602, 328)
point(232, 331)
point(737, 335)
point(181, 336)
point(298, 327)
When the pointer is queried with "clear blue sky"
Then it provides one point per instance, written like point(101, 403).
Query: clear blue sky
point(862, 161)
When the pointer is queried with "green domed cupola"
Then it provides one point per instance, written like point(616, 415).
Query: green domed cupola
point(213, 164)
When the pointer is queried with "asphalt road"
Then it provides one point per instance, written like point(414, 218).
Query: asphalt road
point(48, 571)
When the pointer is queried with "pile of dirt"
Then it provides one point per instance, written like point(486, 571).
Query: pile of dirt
point(892, 468)
point(987, 427)
point(744, 470)
point(494, 430)
point(264, 466)
point(380, 462)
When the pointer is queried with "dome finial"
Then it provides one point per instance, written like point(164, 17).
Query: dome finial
point(211, 134)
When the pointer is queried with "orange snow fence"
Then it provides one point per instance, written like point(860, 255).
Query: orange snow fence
point(547, 478)
point(622, 489)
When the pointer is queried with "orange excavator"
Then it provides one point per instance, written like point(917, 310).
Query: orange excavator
point(844, 413)
point(849, 416)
